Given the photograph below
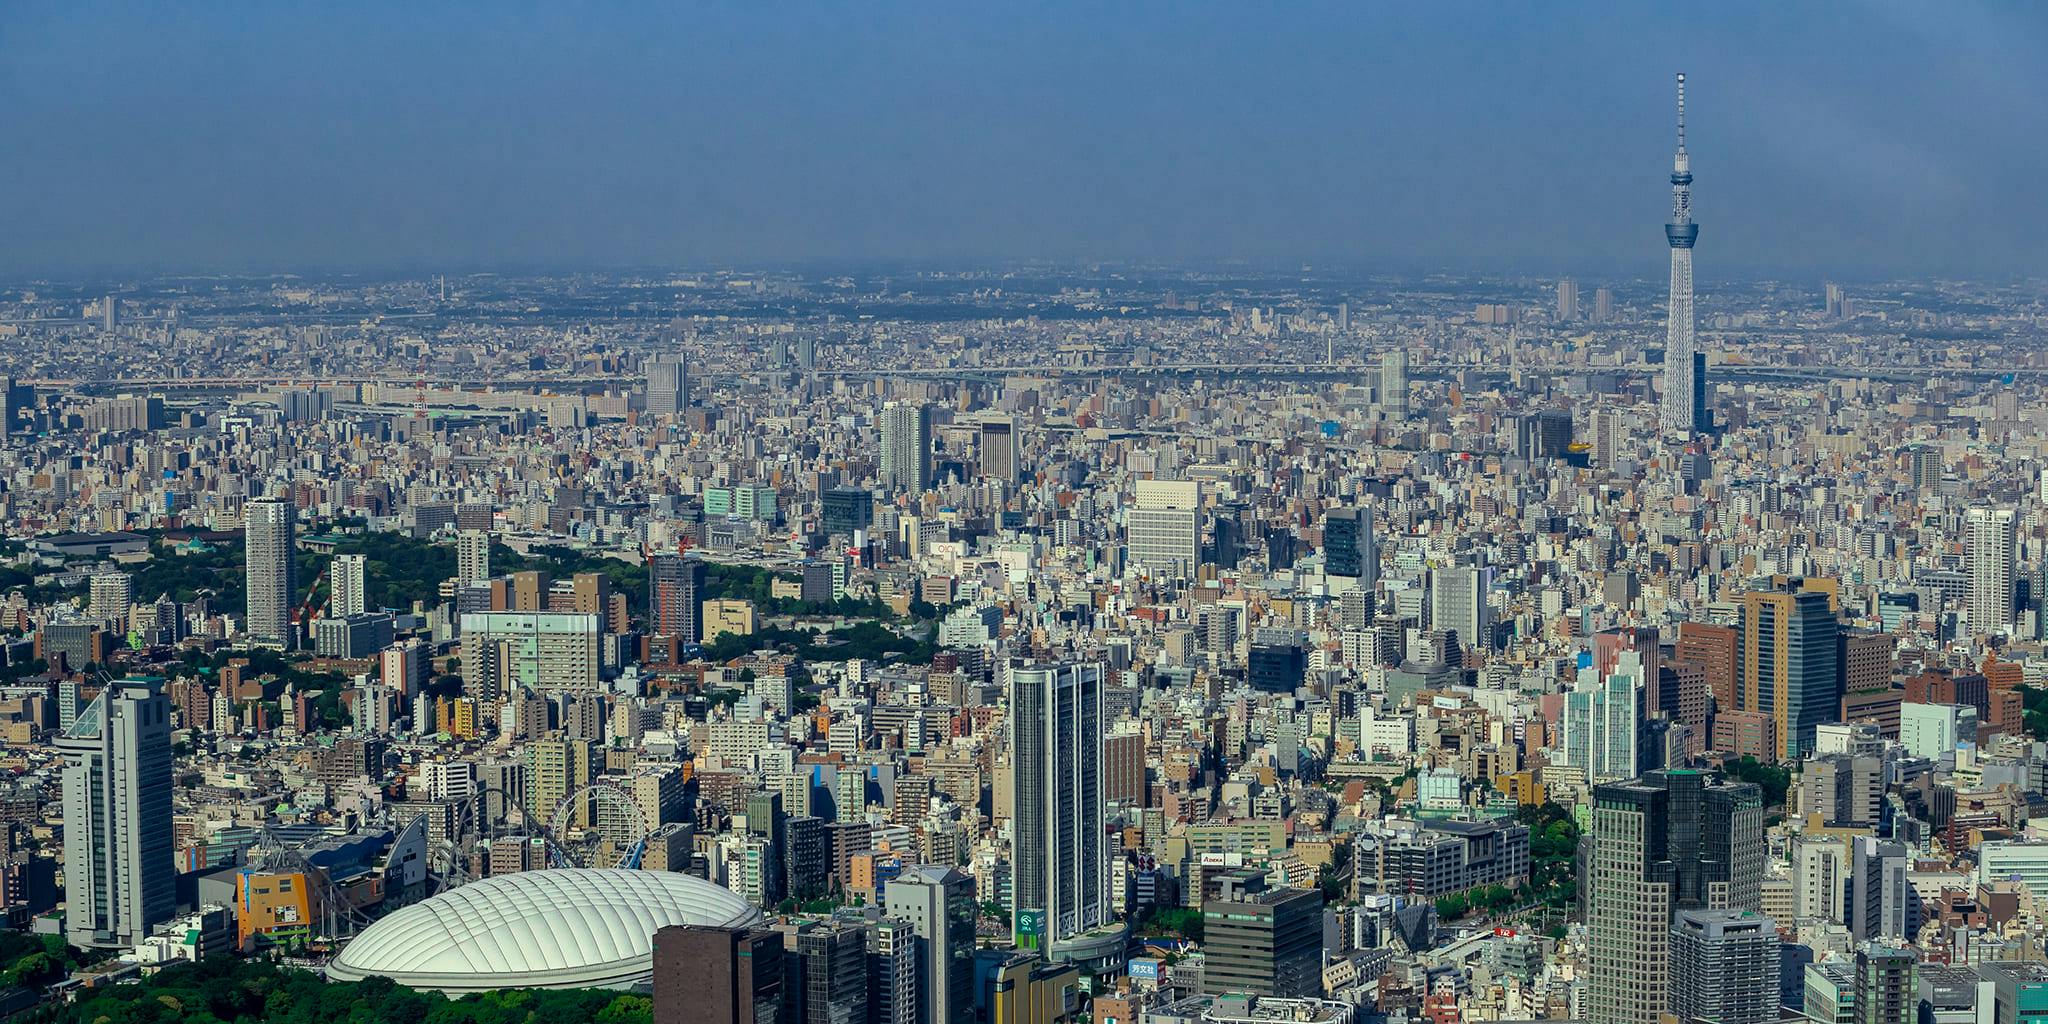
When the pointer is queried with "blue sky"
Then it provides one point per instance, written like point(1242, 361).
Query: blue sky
point(1837, 139)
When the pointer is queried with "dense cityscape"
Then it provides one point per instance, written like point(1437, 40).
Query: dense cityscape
point(1119, 642)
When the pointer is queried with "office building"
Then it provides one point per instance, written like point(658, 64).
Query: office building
point(1263, 944)
point(1829, 995)
point(806, 860)
point(1162, 527)
point(1012, 987)
point(892, 971)
point(826, 973)
point(1603, 720)
point(348, 583)
point(1393, 385)
point(846, 511)
point(1933, 731)
point(119, 877)
point(939, 905)
point(352, 637)
point(272, 573)
point(1060, 867)
point(1450, 855)
point(999, 450)
point(1789, 649)
point(1668, 841)
point(675, 598)
point(2019, 990)
point(1989, 539)
point(710, 975)
point(1881, 903)
point(668, 385)
point(1458, 604)
point(1350, 550)
point(906, 462)
point(1724, 967)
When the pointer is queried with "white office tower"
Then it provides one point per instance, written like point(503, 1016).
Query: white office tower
point(1989, 536)
point(1394, 384)
point(271, 574)
point(347, 580)
point(472, 557)
point(668, 385)
point(906, 447)
point(1603, 718)
point(1162, 527)
point(1060, 867)
point(119, 878)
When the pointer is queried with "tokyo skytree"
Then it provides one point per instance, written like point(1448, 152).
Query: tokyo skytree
point(1684, 399)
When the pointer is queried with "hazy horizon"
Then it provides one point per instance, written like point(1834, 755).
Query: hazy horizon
point(1866, 140)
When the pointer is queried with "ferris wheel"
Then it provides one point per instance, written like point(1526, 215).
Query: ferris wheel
point(616, 837)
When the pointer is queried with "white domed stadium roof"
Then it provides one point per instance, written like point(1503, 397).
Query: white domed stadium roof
point(559, 928)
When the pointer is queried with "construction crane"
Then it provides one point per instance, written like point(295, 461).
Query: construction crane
point(303, 618)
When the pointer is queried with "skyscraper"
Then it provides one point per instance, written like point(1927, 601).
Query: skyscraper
point(111, 594)
point(1664, 842)
point(1724, 967)
point(1603, 720)
point(827, 979)
point(472, 557)
point(1162, 528)
point(1567, 299)
point(1393, 394)
point(1457, 602)
point(675, 598)
point(1349, 548)
point(892, 972)
point(668, 385)
point(1060, 868)
point(1880, 899)
point(1790, 649)
point(119, 877)
point(348, 579)
point(1989, 545)
point(906, 463)
point(1263, 944)
point(938, 902)
point(1681, 386)
point(1603, 304)
point(110, 314)
point(999, 450)
point(270, 570)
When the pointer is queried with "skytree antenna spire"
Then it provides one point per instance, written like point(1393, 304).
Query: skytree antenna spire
point(1684, 400)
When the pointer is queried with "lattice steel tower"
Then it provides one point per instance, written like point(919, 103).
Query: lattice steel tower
point(1682, 394)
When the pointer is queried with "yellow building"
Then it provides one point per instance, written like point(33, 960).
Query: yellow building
point(728, 616)
point(1020, 988)
point(272, 908)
